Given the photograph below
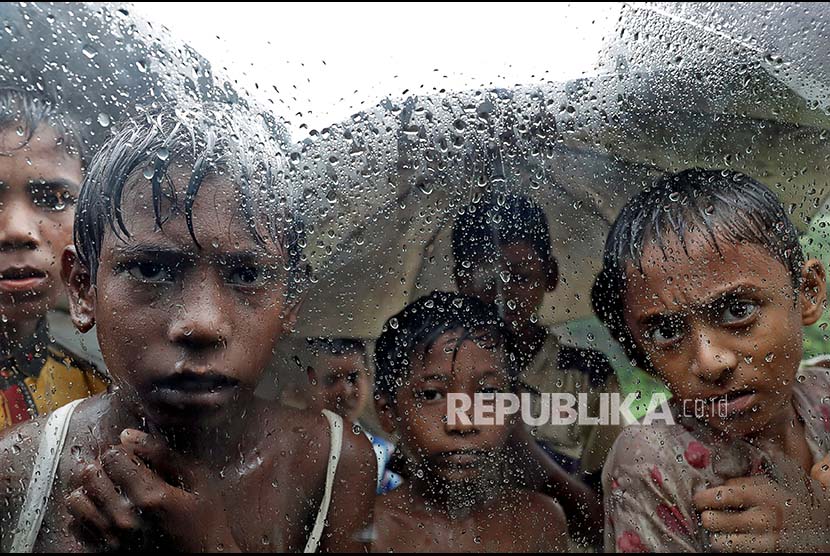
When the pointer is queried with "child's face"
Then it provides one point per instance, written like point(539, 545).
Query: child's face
point(451, 452)
point(723, 328)
point(519, 281)
point(188, 330)
point(343, 384)
point(39, 183)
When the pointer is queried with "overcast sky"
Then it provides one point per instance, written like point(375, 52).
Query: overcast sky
point(330, 60)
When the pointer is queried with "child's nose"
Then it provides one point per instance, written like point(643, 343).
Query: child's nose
point(17, 228)
point(713, 360)
point(200, 320)
point(458, 427)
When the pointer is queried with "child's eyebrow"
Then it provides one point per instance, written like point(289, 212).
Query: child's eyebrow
point(717, 297)
point(247, 256)
point(495, 373)
point(432, 377)
point(56, 183)
point(158, 250)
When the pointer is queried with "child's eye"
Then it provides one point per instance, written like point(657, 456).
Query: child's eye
point(491, 390)
point(55, 200)
point(666, 332)
point(737, 311)
point(246, 276)
point(153, 273)
point(429, 395)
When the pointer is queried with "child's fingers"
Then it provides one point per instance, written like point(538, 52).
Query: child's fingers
point(720, 498)
point(154, 453)
point(86, 513)
point(821, 472)
point(754, 520)
point(101, 491)
point(144, 488)
point(743, 542)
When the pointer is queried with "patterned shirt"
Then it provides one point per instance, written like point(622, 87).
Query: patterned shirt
point(40, 377)
point(654, 472)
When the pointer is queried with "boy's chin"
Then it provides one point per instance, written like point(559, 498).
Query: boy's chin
point(188, 411)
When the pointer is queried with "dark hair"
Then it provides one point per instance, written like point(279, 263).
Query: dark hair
point(412, 332)
point(480, 229)
point(336, 346)
point(28, 111)
point(212, 139)
point(724, 205)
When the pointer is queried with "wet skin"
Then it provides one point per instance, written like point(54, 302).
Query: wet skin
point(725, 326)
point(39, 183)
point(455, 499)
point(186, 332)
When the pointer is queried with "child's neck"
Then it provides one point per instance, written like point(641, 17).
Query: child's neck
point(530, 339)
point(215, 446)
point(454, 501)
point(15, 335)
point(786, 434)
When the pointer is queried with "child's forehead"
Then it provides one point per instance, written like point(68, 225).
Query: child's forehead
point(37, 156)
point(676, 273)
point(218, 219)
point(456, 351)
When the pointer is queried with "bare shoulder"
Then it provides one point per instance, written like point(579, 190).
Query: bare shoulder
point(542, 517)
point(306, 437)
point(18, 451)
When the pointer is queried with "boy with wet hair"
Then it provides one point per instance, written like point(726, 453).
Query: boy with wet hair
point(340, 383)
point(339, 376)
point(705, 285)
point(456, 497)
point(42, 159)
point(187, 260)
point(502, 251)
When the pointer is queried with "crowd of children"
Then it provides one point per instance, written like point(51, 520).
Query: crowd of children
point(175, 242)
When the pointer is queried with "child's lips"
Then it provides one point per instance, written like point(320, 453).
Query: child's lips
point(733, 403)
point(21, 279)
point(189, 389)
point(461, 459)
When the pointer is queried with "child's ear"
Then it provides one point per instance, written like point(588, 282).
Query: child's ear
point(291, 312)
point(312, 376)
point(78, 283)
point(813, 291)
point(553, 275)
point(387, 417)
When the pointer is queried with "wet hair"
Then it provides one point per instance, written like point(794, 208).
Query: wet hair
point(727, 207)
point(409, 334)
point(481, 229)
point(336, 346)
point(27, 112)
point(211, 139)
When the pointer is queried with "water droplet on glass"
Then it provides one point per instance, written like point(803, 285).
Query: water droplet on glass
point(89, 51)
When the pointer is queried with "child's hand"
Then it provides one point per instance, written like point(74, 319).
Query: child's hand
point(145, 489)
point(173, 496)
point(100, 512)
point(821, 472)
point(755, 514)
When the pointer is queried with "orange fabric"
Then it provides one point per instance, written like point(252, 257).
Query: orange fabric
point(60, 381)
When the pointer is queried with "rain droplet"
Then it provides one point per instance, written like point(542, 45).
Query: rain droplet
point(89, 51)
point(104, 120)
